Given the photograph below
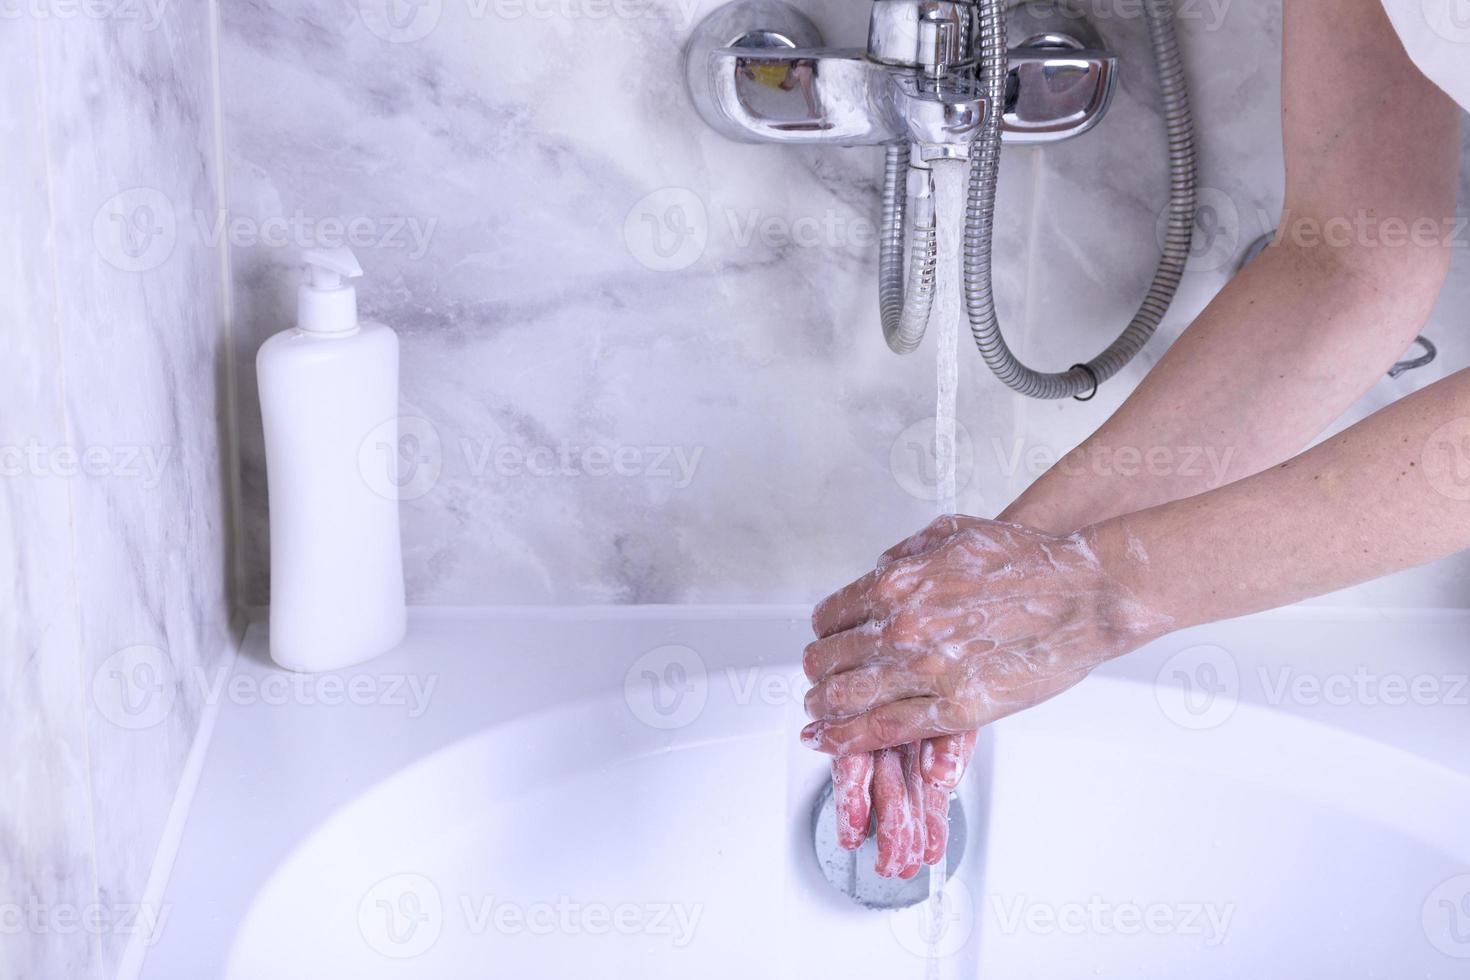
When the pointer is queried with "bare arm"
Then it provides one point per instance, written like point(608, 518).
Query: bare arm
point(992, 618)
point(1389, 493)
point(1281, 352)
point(1371, 156)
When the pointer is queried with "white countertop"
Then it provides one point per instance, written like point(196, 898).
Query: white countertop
point(288, 750)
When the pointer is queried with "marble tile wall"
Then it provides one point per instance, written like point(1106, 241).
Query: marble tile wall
point(743, 379)
point(113, 499)
point(573, 260)
point(45, 825)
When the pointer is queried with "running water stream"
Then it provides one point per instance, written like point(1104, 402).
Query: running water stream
point(950, 179)
point(949, 208)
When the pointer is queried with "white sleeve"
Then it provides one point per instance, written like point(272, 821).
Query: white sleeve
point(1436, 33)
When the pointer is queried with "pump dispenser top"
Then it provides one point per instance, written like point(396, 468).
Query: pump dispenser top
point(327, 301)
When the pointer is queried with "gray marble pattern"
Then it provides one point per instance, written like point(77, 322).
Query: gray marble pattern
point(748, 390)
point(548, 304)
point(113, 498)
point(45, 832)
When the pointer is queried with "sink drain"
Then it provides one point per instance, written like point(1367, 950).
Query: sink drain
point(851, 872)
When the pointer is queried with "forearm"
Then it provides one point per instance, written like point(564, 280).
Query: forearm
point(1371, 149)
point(972, 620)
point(1390, 493)
point(1283, 350)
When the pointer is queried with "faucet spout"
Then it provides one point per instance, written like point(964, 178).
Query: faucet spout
point(942, 117)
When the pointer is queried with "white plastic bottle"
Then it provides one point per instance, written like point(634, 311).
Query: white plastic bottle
point(329, 404)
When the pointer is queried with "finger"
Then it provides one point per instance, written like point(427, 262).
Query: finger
point(895, 817)
point(946, 758)
point(939, 530)
point(894, 723)
point(847, 607)
point(890, 811)
point(841, 651)
point(936, 822)
point(852, 778)
point(913, 858)
point(853, 692)
point(899, 722)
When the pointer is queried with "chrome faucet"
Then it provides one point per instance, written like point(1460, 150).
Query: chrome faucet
point(758, 72)
point(939, 80)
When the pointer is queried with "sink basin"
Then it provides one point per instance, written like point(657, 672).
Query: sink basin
point(655, 823)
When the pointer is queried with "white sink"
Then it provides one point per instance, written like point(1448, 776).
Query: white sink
point(648, 820)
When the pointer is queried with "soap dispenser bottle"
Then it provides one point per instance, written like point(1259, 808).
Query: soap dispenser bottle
point(329, 405)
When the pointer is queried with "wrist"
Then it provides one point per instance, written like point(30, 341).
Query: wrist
point(1041, 511)
point(1126, 607)
point(1059, 505)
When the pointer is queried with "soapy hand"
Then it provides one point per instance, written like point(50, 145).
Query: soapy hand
point(990, 619)
point(912, 819)
point(966, 622)
point(901, 825)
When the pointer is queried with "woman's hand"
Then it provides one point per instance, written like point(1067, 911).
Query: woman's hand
point(970, 621)
point(912, 816)
point(906, 788)
point(910, 826)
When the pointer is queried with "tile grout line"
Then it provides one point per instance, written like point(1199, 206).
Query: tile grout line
point(153, 912)
point(167, 849)
point(236, 530)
